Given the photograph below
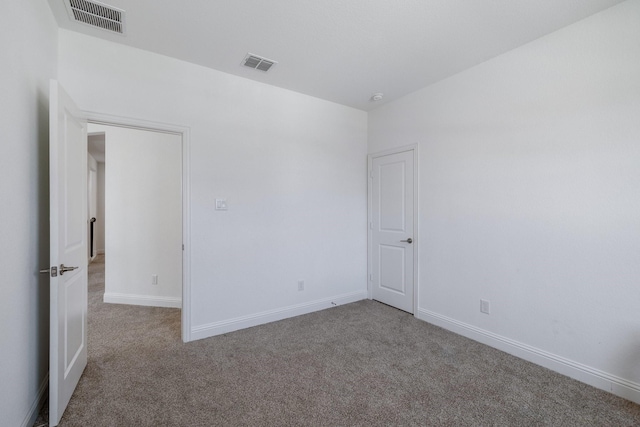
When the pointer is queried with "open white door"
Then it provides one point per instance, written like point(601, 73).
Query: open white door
point(68, 217)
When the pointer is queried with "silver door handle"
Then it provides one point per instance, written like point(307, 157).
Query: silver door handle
point(63, 269)
point(53, 270)
point(409, 240)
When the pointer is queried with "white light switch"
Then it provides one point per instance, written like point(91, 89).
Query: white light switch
point(221, 204)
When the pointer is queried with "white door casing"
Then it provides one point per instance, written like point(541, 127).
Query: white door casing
point(68, 241)
point(185, 132)
point(392, 229)
point(92, 207)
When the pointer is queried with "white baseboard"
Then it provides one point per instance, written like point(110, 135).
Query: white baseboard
point(619, 386)
point(224, 326)
point(146, 300)
point(31, 416)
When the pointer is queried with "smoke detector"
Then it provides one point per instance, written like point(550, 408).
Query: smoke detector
point(258, 62)
point(377, 96)
point(97, 15)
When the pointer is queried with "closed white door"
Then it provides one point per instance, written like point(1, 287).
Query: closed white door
point(392, 229)
point(68, 259)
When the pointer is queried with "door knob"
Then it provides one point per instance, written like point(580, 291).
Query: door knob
point(409, 240)
point(63, 269)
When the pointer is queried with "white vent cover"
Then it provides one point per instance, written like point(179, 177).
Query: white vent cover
point(258, 62)
point(97, 15)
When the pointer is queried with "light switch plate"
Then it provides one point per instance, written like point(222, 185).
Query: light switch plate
point(221, 204)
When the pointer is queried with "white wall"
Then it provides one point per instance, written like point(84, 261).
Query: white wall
point(143, 216)
point(291, 167)
point(530, 198)
point(99, 230)
point(28, 50)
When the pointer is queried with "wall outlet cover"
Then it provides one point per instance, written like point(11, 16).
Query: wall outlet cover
point(221, 204)
point(484, 306)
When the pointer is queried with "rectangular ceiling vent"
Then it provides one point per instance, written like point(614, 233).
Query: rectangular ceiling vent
point(258, 62)
point(97, 15)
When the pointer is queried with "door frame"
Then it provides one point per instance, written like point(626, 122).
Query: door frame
point(91, 193)
point(416, 232)
point(185, 133)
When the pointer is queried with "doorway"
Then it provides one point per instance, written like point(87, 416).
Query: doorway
point(68, 178)
point(393, 228)
point(179, 138)
point(142, 216)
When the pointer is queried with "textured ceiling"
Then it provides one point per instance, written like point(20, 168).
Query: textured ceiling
point(339, 50)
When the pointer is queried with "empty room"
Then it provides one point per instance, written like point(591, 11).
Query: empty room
point(386, 213)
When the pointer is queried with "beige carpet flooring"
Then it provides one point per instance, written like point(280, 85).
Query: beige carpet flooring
point(361, 364)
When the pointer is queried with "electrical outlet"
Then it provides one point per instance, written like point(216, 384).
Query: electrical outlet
point(221, 205)
point(301, 285)
point(154, 279)
point(484, 306)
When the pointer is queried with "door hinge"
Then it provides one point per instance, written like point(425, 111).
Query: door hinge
point(371, 174)
point(371, 277)
point(183, 247)
point(371, 225)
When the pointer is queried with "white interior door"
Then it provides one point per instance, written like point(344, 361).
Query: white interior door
point(68, 222)
point(392, 229)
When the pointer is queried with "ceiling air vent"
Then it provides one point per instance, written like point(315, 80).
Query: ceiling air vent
point(97, 15)
point(258, 62)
